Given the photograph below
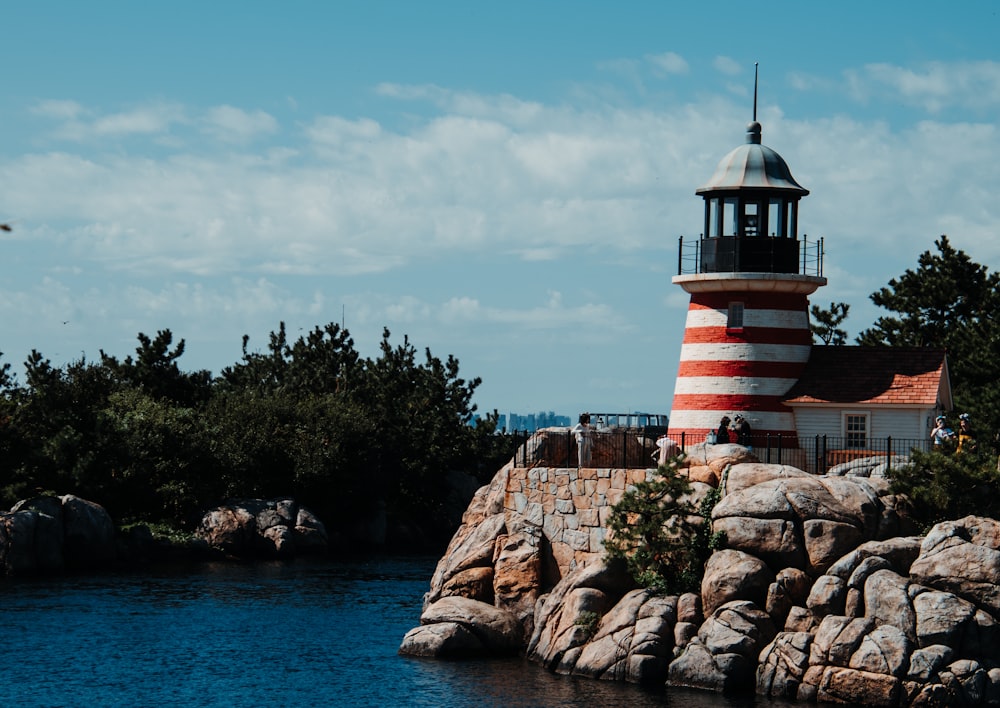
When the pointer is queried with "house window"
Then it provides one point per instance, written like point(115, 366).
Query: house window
point(735, 317)
point(856, 429)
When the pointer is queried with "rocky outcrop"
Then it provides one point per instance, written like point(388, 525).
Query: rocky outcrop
point(277, 528)
point(823, 593)
point(901, 622)
point(50, 534)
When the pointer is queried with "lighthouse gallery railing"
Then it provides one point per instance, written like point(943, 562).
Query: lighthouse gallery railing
point(746, 254)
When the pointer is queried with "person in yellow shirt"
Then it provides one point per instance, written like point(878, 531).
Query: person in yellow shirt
point(966, 438)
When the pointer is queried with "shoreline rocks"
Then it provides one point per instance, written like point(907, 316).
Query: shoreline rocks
point(824, 593)
point(54, 534)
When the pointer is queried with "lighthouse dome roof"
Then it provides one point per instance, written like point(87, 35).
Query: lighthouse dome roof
point(753, 166)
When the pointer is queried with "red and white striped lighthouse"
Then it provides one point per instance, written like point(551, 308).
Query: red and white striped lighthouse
point(747, 338)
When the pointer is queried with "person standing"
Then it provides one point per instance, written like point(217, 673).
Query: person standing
point(742, 430)
point(584, 440)
point(722, 434)
point(966, 437)
point(941, 432)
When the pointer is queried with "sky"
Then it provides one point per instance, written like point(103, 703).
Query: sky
point(505, 182)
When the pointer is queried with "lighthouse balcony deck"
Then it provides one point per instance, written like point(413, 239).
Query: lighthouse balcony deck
point(750, 254)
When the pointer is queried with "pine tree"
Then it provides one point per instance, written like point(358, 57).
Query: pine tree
point(952, 302)
point(662, 533)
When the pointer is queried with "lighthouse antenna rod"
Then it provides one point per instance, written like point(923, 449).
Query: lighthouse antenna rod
point(755, 91)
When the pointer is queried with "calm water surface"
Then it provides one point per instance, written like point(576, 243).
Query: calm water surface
point(305, 633)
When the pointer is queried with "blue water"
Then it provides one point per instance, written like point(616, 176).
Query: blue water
point(303, 633)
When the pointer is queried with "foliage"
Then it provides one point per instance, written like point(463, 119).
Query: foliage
point(588, 620)
point(663, 536)
point(308, 418)
point(826, 323)
point(949, 302)
point(941, 486)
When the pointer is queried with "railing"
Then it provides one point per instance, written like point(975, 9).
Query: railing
point(636, 449)
point(694, 256)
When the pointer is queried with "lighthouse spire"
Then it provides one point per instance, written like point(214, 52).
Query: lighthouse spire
point(755, 92)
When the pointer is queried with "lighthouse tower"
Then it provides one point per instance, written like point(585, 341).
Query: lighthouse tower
point(746, 339)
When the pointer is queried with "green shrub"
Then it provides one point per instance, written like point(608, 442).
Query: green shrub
point(663, 536)
point(940, 486)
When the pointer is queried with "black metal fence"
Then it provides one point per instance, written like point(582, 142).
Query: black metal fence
point(631, 448)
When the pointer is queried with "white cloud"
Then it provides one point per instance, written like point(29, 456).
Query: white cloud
point(362, 208)
point(934, 86)
point(76, 123)
point(58, 109)
point(236, 125)
point(668, 63)
point(727, 65)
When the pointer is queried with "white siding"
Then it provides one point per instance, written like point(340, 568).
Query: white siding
point(897, 423)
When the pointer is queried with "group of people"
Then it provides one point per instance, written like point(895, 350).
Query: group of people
point(736, 430)
point(941, 433)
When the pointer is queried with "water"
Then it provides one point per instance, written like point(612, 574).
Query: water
point(305, 633)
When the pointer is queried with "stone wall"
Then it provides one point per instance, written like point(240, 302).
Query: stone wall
point(570, 505)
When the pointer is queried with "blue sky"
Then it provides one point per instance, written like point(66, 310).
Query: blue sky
point(505, 182)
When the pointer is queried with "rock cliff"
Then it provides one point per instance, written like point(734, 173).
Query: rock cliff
point(823, 593)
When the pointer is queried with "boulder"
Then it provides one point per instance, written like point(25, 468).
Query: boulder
point(566, 618)
point(748, 474)
point(275, 528)
point(517, 574)
point(233, 530)
point(963, 557)
point(473, 583)
point(723, 657)
point(34, 542)
point(498, 630)
point(89, 533)
point(310, 532)
point(442, 641)
point(472, 546)
point(783, 665)
point(734, 575)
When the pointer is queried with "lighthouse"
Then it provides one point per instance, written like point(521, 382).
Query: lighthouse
point(746, 337)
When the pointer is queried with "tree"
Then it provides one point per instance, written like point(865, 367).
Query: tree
point(825, 325)
point(941, 486)
point(655, 529)
point(949, 301)
point(155, 371)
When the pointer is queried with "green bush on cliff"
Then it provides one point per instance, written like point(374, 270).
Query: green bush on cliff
point(942, 486)
point(661, 533)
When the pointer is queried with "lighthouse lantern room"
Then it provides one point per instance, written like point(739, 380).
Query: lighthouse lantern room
point(746, 337)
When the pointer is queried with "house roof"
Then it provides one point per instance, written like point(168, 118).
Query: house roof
point(893, 376)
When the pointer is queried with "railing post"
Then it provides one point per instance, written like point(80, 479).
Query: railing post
point(888, 453)
point(779, 448)
point(683, 442)
point(680, 255)
point(767, 441)
point(825, 460)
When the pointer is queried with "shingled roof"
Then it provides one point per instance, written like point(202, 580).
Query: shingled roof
point(897, 376)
